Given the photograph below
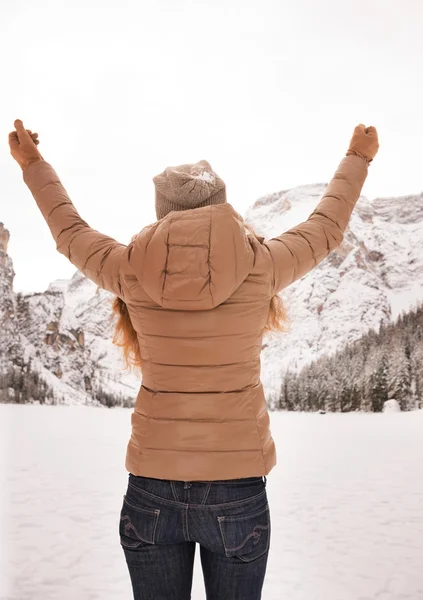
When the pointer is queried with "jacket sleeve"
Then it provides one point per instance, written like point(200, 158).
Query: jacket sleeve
point(97, 256)
point(300, 249)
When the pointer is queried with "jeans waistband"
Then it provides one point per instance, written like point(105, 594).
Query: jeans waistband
point(227, 481)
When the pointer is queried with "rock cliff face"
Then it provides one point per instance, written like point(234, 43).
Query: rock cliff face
point(4, 240)
point(57, 344)
point(8, 326)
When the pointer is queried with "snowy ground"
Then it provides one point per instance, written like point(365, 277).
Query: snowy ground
point(346, 503)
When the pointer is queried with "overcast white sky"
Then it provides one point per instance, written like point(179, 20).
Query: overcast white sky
point(267, 91)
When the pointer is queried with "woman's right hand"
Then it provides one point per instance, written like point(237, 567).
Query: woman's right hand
point(23, 145)
point(364, 142)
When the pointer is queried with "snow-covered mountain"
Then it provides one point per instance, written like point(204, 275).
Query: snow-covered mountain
point(375, 274)
point(65, 333)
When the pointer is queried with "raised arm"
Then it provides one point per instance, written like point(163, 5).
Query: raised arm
point(97, 256)
point(300, 249)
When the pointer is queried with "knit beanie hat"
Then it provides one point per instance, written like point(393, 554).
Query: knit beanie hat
point(188, 186)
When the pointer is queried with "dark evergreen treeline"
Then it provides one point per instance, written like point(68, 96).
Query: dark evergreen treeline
point(20, 384)
point(111, 400)
point(382, 365)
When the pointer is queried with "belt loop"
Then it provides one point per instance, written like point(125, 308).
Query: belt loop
point(264, 479)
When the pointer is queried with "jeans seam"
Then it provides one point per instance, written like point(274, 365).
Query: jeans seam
point(186, 523)
point(244, 517)
point(155, 527)
point(174, 491)
point(206, 493)
point(223, 537)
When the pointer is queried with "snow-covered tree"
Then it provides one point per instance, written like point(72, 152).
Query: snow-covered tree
point(382, 365)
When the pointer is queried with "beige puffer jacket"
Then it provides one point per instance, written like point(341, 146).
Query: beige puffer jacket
point(198, 289)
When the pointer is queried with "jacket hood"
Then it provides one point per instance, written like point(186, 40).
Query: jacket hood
point(193, 259)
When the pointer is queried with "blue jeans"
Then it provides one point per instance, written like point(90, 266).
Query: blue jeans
point(161, 521)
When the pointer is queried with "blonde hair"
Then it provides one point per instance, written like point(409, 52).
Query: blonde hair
point(125, 336)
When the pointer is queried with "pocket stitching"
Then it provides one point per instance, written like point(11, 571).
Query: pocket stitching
point(153, 512)
point(221, 519)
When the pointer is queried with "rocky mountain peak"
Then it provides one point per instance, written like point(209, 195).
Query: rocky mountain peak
point(4, 241)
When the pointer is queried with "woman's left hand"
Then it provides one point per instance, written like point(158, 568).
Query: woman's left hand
point(23, 145)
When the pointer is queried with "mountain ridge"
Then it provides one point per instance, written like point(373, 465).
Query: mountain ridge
point(376, 273)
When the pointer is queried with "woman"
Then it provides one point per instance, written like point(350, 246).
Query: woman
point(195, 293)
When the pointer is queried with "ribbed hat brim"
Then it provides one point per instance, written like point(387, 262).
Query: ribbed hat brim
point(165, 206)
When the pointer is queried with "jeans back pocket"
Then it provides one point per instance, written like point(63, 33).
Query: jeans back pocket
point(248, 536)
point(137, 525)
